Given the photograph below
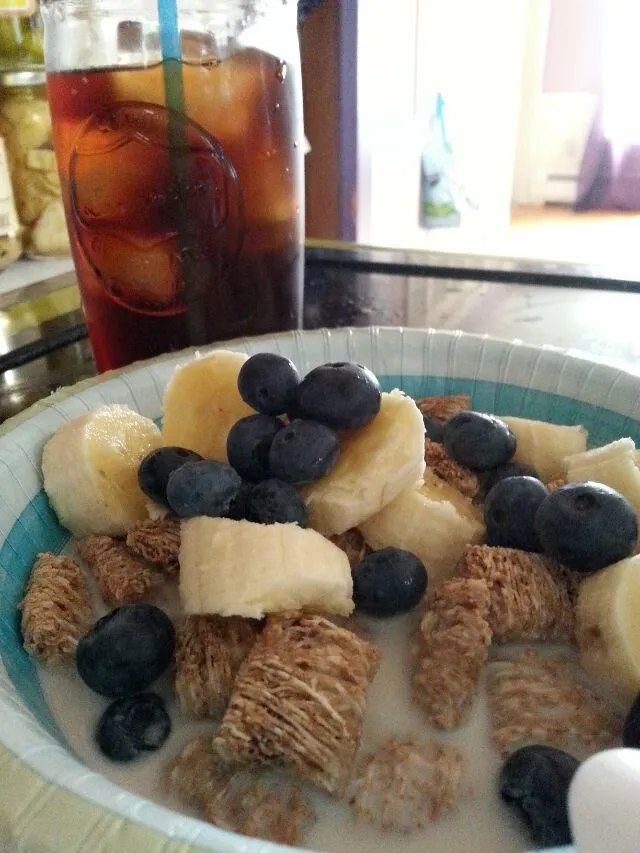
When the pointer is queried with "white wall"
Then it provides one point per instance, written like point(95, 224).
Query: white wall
point(386, 104)
point(472, 51)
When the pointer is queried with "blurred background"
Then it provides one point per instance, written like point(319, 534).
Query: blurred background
point(541, 150)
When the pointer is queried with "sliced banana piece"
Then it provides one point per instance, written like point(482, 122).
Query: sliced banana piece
point(614, 464)
point(201, 403)
point(608, 629)
point(431, 522)
point(238, 568)
point(376, 463)
point(544, 446)
point(90, 470)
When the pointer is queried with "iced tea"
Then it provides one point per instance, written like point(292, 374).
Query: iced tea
point(186, 227)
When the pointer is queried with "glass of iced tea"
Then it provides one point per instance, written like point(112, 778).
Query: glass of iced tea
point(182, 178)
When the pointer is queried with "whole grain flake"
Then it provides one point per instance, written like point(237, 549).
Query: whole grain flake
point(209, 651)
point(299, 699)
point(56, 610)
point(406, 784)
point(156, 540)
point(122, 577)
point(451, 651)
point(531, 597)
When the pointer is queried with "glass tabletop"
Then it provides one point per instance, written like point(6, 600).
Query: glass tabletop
point(43, 341)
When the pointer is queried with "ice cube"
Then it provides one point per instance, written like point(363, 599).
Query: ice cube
point(144, 276)
point(122, 184)
point(271, 190)
point(145, 85)
point(229, 98)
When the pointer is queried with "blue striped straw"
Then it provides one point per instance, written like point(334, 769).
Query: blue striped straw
point(174, 95)
point(171, 47)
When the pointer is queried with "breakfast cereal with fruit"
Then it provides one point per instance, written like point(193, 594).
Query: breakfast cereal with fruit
point(280, 727)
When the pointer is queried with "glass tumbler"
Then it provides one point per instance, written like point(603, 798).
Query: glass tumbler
point(181, 173)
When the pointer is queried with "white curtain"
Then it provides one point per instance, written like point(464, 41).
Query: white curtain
point(621, 73)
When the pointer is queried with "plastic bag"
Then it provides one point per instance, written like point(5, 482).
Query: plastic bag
point(441, 197)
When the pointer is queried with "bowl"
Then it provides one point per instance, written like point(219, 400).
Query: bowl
point(49, 799)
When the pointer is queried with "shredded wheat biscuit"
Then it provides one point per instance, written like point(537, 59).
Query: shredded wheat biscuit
point(299, 699)
point(556, 484)
point(452, 648)
point(268, 807)
point(157, 541)
point(535, 699)
point(121, 576)
point(198, 772)
point(263, 805)
point(447, 469)
point(209, 651)
point(444, 406)
point(56, 611)
point(353, 544)
point(532, 597)
point(406, 784)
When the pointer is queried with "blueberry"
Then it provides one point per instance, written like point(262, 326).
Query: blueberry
point(340, 395)
point(248, 445)
point(389, 581)
point(433, 429)
point(303, 452)
point(126, 650)
point(535, 781)
point(631, 729)
point(507, 469)
point(274, 501)
point(132, 725)
point(157, 466)
point(239, 506)
point(510, 510)
point(586, 526)
point(478, 441)
point(267, 383)
point(203, 488)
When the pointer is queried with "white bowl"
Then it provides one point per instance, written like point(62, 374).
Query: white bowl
point(49, 800)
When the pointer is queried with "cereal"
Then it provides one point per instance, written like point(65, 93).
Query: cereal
point(157, 541)
point(299, 700)
point(209, 651)
point(198, 772)
point(121, 575)
point(534, 699)
point(451, 651)
point(532, 597)
point(406, 784)
point(353, 544)
point(56, 610)
point(447, 469)
point(258, 803)
point(444, 406)
point(268, 807)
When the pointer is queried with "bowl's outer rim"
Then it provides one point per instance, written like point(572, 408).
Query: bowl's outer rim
point(46, 803)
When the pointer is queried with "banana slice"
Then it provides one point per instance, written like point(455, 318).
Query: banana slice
point(201, 403)
point(376, 463)
point(607, 627)
point(614, 464)
point(431, 522)
point(544, 446)
point(238, 568)
point(90, 470)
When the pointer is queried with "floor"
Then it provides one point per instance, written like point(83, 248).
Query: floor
point(554, 233)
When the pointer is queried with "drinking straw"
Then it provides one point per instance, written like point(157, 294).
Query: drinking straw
point(170, 44)
point(171, 47)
